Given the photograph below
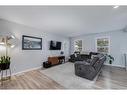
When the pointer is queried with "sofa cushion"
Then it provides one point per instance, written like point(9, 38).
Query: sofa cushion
point(85, 56)
point(82, 62)
point(94, 60)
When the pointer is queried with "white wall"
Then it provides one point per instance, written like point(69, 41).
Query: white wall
point(26, 59)
point(117, 48)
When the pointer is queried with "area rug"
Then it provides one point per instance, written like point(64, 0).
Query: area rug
point(65, 76)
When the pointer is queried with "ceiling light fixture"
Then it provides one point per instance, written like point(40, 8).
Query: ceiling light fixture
point(115, 7)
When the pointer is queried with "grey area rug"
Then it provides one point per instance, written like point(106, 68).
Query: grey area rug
point(65, 76)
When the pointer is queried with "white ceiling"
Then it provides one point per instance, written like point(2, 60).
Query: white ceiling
point(67, 20)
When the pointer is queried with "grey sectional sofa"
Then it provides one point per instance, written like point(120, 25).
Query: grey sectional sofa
point(81, 57)
point(89, 70)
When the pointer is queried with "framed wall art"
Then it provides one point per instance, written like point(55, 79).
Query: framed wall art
point(31, 43)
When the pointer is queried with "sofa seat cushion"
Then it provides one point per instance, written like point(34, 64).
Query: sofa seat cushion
point(82, 62)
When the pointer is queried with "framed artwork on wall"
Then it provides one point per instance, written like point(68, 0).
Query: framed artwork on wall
point(31, 43)
point(103, 44)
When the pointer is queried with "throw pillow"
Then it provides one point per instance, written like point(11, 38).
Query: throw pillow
point(75, 55)
point(93, 56)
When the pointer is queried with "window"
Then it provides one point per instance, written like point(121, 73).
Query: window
point(103, 45)
point(78, 45)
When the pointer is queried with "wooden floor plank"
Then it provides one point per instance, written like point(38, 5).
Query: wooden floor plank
point(30, 80)
point(113, 78)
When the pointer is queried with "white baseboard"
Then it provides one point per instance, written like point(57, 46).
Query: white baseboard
point(114, 65)
point(18, 73)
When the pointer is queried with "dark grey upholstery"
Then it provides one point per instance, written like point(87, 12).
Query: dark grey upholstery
point(74, 58)
point(81, 57)
point(89, 70)
point(93, 61)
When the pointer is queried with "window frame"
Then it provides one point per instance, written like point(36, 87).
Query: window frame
point(103, 37)
point(75, 42)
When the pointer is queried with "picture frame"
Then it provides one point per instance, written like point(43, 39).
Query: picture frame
point(31, 43)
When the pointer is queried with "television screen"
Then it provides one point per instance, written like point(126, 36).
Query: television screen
point(55, 45)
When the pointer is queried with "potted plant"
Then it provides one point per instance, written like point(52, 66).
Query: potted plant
point(4, 62)
point(110, 58)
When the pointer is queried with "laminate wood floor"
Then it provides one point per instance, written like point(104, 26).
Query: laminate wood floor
point(30, 80)
point(112, 78)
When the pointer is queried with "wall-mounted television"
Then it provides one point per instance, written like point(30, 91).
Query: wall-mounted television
point(55, 45)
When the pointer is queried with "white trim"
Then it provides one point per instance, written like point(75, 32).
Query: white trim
point(100, 38)
point(111, 65)
point(26, 70)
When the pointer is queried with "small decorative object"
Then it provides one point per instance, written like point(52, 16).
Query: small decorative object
point(61, 52)
point(31, 43)
point(4, 62)
point(110, 58)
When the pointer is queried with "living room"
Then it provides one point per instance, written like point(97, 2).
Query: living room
point(67, 26)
